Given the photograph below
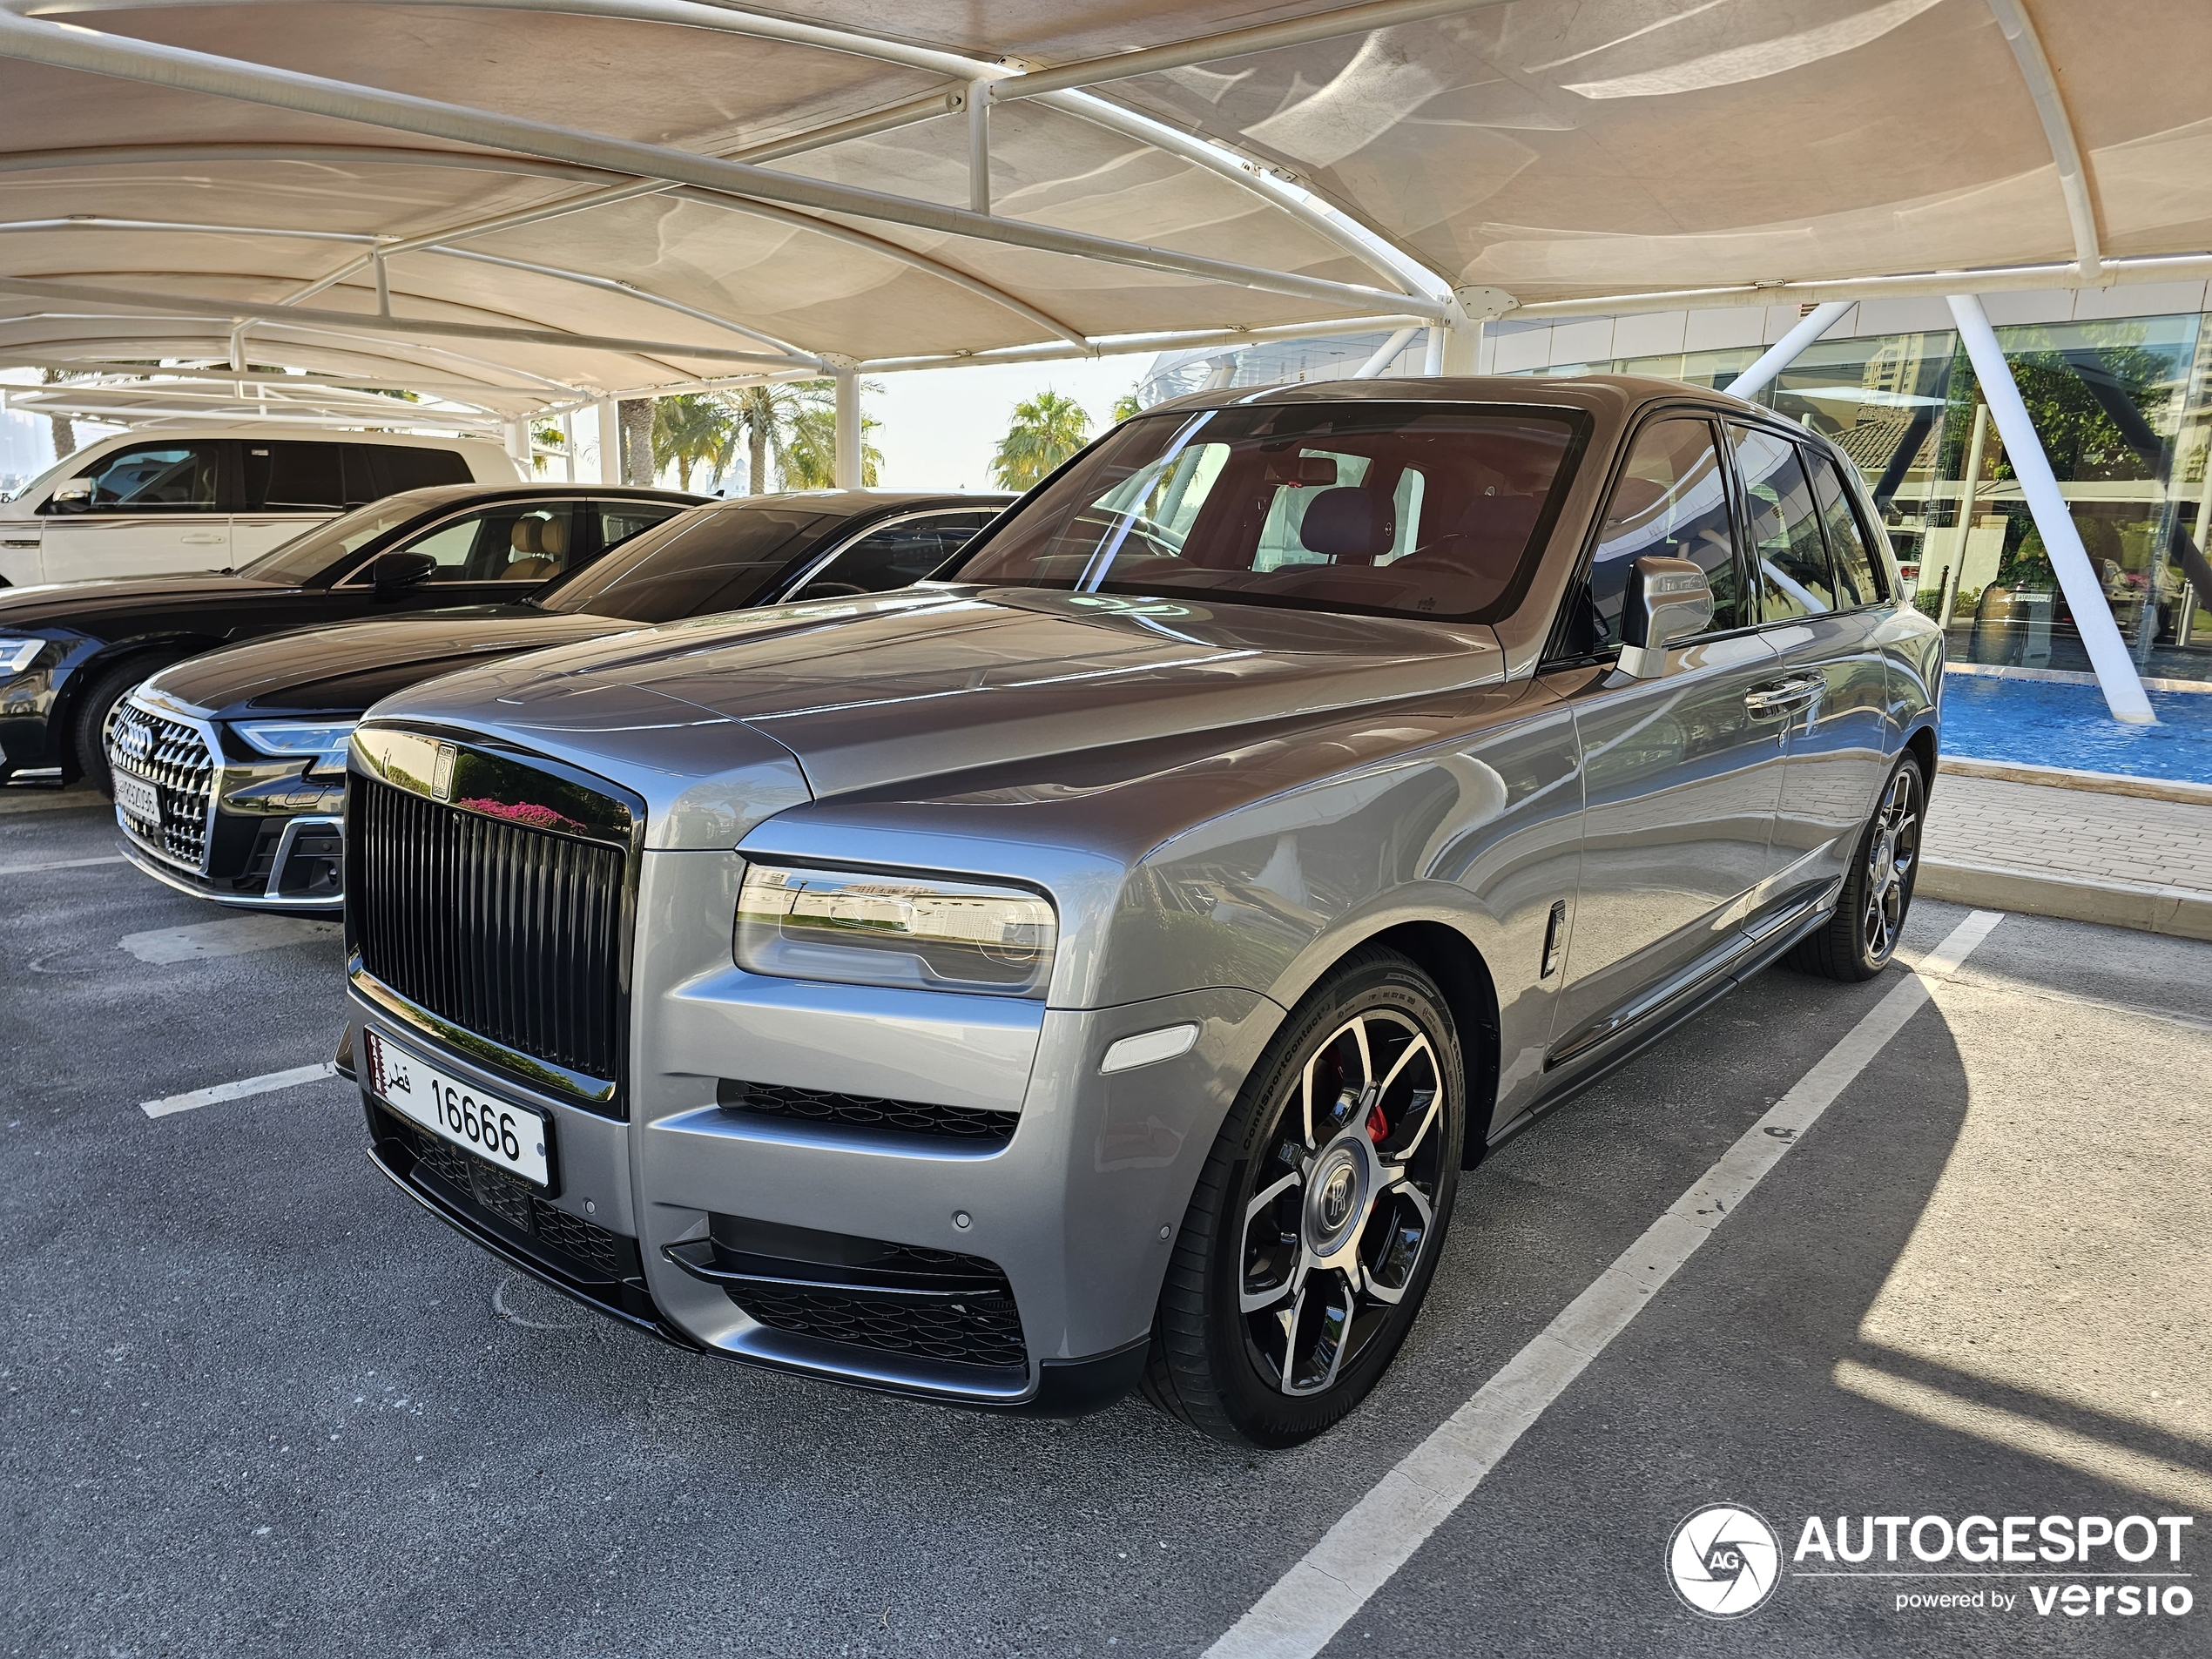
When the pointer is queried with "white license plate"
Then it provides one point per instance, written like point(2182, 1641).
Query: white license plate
point(518, 1139)
point(136, 797)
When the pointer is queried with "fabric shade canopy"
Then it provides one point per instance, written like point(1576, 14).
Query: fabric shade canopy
point(522, 206)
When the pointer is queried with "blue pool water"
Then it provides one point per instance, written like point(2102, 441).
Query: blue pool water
point(2044, 723)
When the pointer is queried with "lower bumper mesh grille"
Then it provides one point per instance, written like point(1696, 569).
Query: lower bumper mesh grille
point(607, 1254)
point(982, 1331)
point(866, 1111)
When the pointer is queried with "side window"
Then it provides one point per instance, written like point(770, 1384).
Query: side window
point(152, 478)
point(895, 556)
point(1859, 578)
point(1671, 502)
point(391, 467)
point(288, 476)
point(521, 542)
point(1786, 540)
point(620, 520)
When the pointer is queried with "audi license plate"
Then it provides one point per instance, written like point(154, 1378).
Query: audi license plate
point(519, 1139)
point(136, 797)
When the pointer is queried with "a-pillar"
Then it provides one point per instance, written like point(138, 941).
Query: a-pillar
point(2085, 593)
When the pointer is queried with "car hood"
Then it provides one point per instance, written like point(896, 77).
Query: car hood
point(864, 693)
point(344, 668)
point(51, 604)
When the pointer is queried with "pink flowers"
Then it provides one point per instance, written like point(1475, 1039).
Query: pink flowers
point(528, 812)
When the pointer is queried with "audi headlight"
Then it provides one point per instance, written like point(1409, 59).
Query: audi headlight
point(864, 929)
point(323, 741)
point(17, 655)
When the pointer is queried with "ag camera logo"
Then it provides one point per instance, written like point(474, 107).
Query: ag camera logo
point(1723, 1562)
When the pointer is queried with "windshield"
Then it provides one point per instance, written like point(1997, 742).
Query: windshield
point(1400, 509)
point(709, 559)
point(304, 557)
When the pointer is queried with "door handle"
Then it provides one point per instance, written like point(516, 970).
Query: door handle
point(1784, 697)
point(203, 538)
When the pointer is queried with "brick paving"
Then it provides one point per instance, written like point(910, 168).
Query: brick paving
point(2071, 833)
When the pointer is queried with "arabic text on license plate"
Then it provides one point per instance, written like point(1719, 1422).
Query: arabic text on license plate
point(516, 1138)
point(137, 797)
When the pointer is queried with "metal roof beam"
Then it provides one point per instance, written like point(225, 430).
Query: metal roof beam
point(2058, 130)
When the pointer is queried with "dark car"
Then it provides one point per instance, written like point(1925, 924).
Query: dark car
point(68, 653)
point(230, 768)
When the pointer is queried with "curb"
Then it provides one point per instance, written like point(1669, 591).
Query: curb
point(2095, 783)
point(2172, 911)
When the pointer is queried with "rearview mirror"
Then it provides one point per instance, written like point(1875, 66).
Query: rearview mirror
point(393, 572)
point(70, 495)
point(1668, 601)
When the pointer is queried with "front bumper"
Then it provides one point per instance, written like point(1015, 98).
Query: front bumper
point(791, 1163)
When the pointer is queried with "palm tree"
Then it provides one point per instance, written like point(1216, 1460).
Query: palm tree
point(1047, 430)
point(769, 416)
point(692, 430)
point(810, 459)
point(1126, 408)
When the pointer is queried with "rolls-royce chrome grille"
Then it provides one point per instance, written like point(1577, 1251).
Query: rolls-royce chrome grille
point(174, 757)
point(507, 931)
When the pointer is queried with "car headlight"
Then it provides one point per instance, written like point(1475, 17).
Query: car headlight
point(293, 740)
point(17, 655)
point(869, 929)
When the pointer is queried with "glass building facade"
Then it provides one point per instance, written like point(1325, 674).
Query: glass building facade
point(2120, 402)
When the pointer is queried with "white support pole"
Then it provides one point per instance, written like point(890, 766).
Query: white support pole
point(1386, 355)
point(1786, 350)
point(2024, 449)
point(847, 473)
point(567, 448)
point(1463, 347)
point(978, 146)
point(518, 445)
point(1432, 359)
point(610, 442)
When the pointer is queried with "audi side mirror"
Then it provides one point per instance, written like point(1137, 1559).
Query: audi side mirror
point(1668, 601)
point(70, 495)
point(390, 573)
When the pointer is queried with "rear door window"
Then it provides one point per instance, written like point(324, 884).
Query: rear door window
point(620, 520)
point(1858, 580)
point(390, 467)
point(1671, 502)
point(284, 475)
point(1785, 539)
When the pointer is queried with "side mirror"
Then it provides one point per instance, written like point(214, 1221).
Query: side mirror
point(390, 573)
point(1668, 601)
point(70, 495)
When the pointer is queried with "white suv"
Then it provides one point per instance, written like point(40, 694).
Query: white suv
point(145, 504)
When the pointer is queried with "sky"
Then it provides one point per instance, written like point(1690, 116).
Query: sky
point(941, 426)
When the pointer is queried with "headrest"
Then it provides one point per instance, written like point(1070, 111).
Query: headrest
point(530, 570)
point(553, 537)
point(1349, 525)
point(523, 537)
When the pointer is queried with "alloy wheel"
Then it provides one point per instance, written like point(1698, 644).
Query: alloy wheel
point(1892, 848)
point(1343, 1200)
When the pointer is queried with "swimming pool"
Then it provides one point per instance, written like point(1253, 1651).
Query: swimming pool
point(2044, 723)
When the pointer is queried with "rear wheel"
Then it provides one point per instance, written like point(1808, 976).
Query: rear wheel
point(1861, 937)
point(1311, 1241)
point(88, 731)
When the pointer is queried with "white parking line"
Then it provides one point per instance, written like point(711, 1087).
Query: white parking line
point(269, 1082)
point(58, 864)
point(162, 945)
point(1356, 1557)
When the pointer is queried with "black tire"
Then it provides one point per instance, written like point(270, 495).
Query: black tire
point(1221, 1350)
point(88, 727)
point(1861, 937)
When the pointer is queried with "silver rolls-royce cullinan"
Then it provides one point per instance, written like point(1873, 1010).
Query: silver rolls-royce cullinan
point(1092, 969)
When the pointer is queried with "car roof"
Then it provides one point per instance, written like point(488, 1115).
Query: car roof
point(434, 495)
point(853, 503)
point(1558, 391)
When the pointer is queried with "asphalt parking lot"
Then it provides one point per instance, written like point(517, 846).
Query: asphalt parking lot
point(257, 1402)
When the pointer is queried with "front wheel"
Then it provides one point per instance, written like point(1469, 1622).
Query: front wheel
point(1317, 1223)
point(1861, 937)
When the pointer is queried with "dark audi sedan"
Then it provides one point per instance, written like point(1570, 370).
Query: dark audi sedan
point(1092, 969)
point(69, 651)
point(230, 768)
